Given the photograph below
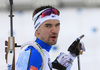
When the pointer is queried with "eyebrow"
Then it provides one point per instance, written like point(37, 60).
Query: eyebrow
point(51, 24)
point(48, 24)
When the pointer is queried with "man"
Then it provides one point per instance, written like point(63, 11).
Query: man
point(47, 27)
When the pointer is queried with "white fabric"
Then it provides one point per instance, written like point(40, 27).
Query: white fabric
point(48, 62)
point(71, 56)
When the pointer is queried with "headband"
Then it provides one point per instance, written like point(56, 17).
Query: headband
point(40, 20)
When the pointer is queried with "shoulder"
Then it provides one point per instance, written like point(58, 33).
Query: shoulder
point(35, 57)
point(34, 54)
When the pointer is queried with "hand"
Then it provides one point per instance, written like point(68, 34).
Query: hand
point(76, 48)
point(63, 62)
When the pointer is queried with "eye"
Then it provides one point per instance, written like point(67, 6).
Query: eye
point(48, 25)
point(58, 24)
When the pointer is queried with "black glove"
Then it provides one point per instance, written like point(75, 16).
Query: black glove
point(76, 47)
point(57, 65)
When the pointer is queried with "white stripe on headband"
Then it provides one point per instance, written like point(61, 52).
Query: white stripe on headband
point(41, 20)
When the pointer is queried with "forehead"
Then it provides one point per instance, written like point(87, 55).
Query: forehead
point(53, 21)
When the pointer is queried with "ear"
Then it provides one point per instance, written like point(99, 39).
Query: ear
point(37, 32)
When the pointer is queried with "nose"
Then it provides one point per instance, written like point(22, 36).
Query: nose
point(55, 30)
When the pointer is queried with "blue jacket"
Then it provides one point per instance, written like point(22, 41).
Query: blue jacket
point(30, 58)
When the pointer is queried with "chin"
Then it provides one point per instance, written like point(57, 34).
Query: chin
point(54, 43)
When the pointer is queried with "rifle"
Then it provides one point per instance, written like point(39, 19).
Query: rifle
point(10, 50)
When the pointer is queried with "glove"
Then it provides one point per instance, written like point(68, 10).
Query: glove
point(63, 62)
point(76, 48)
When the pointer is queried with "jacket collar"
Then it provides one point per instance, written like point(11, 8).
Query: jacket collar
point(43, 45)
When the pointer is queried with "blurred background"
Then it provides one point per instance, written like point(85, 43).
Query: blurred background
point(77, 17)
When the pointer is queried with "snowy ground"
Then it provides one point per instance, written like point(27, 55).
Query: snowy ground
point(74, 22)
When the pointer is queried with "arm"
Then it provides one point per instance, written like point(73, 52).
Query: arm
point(64, 61)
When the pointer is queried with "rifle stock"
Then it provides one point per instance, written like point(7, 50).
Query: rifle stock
point(11, 53)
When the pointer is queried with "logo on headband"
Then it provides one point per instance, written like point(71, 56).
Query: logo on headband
point(53, 16)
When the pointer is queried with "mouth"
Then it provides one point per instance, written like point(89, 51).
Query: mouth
point(53, 37)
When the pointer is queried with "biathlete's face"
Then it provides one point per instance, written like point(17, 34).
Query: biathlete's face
point(48, 31)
